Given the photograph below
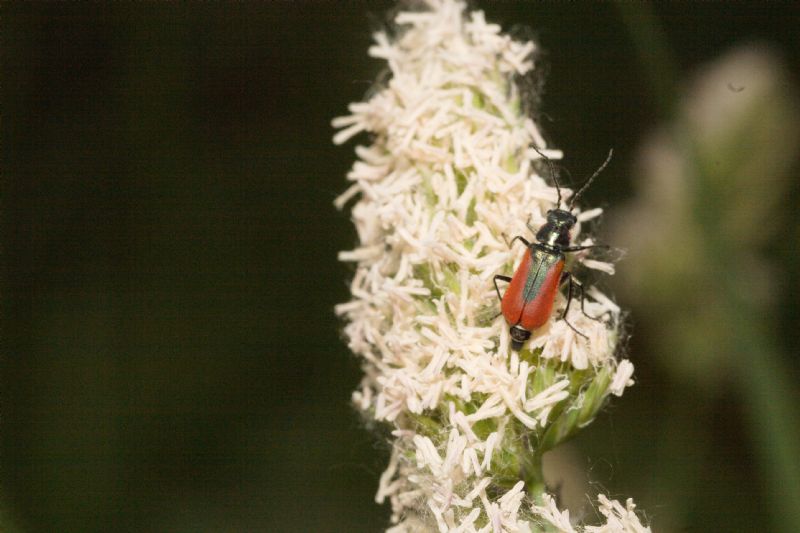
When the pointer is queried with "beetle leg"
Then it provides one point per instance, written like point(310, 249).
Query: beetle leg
point(520, 238)
point(580, 286)
point(528, 224)
point(568, 276)
point(501, 278)
point(579, 248)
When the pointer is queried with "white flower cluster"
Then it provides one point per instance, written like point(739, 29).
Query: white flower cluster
point(447, 180)
point(618, 518)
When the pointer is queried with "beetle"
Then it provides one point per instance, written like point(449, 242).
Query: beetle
point(529, 297)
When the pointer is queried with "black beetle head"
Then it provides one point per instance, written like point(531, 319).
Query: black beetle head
point(518, 337)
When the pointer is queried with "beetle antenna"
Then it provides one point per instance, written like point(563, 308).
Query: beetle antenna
point(589, 181)
point(552, 173)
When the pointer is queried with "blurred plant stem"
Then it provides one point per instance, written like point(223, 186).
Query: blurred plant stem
point(746, 342)
point(770, 402)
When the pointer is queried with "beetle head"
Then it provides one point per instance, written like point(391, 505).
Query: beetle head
point(518, 337)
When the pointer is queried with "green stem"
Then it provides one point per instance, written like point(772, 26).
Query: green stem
point(771, 410)
point(533, 476)
point(769, 397)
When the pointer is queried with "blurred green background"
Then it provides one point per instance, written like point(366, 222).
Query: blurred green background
point(171, 361)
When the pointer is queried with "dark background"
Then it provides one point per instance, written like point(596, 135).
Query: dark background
point(170, 360)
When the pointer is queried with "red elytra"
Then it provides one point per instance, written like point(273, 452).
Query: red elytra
point(528, 300)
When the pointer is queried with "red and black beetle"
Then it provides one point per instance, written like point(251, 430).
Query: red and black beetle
point(528, 300)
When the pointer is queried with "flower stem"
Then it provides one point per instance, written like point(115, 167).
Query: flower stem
point(533, 475)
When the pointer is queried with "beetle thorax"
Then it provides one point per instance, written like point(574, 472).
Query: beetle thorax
point(555, 233)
